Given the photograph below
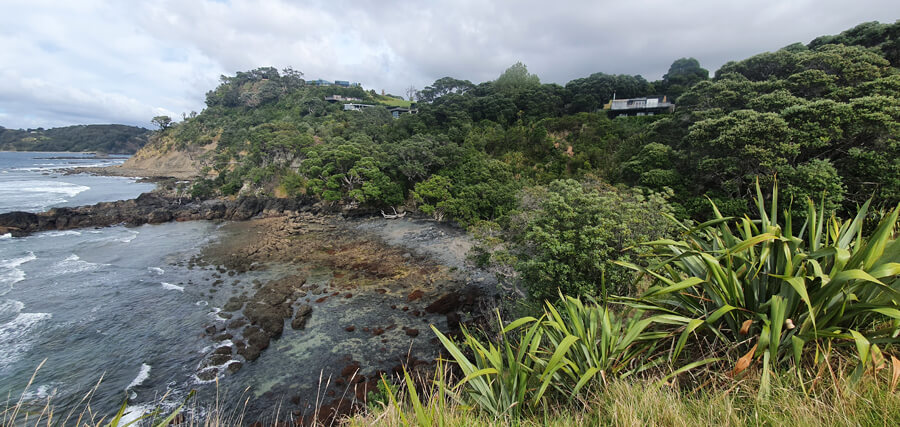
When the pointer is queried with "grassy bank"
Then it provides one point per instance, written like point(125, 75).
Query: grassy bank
point(816, 402)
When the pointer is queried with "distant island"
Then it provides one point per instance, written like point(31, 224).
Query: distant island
point(110, 139)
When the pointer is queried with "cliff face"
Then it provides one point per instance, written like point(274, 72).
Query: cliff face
point(161, 158)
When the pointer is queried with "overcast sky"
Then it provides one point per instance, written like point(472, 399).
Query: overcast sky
point(105, 61)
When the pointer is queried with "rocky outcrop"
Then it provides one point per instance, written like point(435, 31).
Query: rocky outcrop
point(149, 208)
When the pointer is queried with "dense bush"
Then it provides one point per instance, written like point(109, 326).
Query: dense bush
point(795, 291)
point(577, 232)
point(479, 188)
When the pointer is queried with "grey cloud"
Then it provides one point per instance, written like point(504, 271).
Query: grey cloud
point(102, 60)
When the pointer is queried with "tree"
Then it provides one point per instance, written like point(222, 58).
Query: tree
point(420, 156)
point(164, 122)
point(411, 92)
point(516, 78)
point(444, 86)
point(683, 73)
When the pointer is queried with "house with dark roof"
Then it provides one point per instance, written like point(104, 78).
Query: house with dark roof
point(646, 106)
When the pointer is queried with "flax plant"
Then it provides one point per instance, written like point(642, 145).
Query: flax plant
point(572, 347)
point(796, 293)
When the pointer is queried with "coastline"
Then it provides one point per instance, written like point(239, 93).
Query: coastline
point(372, 291)
point(371, 286)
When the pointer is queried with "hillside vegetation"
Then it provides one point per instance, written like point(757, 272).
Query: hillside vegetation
point(822, 117)
point(111, 139)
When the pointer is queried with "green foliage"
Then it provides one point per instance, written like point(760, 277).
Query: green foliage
point(813, 180)
point(590, 93)
point(572, 348)
point(798, 293)
point(683, 73)
point(420, 156)
point(349, 170)
point(823, 117)
point(577, 232)
point(500, 379)
point(444, 86)
point(202, 188)
point(883, 37)
point(516, 78)
point(810, 115)
point(479, 188)
point(382, 395)
point(162, 121)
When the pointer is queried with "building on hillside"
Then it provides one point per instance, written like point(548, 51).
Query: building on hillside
point(356, 107)
point(646, 106)
point(339, 98)
point(340, 83)
point(396, 112)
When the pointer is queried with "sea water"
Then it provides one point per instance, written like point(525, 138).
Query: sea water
point(35, 181)
point(92, 304)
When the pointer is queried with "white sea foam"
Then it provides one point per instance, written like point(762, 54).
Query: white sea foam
point(74, 264)
point(142, 376)
point(172, 287)
point(17, 336)
point(10, 273)
point(6, 236)
point(40, 186)
point(134, 412)
point(41, 392)
point(10, 307)
point(220, 370)
point(38, 195)
point(209, 348)
point(131, 236)
point(215, 314)
point(156, 270)
point(60, 233)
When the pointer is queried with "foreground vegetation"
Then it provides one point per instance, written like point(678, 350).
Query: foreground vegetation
point(754, 324)
point(639, 402)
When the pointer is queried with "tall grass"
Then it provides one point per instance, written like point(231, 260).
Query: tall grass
point(22, 412)
point(639, 402)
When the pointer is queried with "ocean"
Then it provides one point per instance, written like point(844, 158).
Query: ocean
point(34, 182)
point(104, 304)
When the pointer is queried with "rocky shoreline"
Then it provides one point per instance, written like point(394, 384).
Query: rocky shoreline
point(396, 278)
point(405, 291)
point(149, 208)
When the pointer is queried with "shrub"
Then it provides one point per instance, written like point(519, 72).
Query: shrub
point(572, 239)
point(826, 285)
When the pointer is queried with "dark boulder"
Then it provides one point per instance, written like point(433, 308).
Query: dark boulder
point(445, 304)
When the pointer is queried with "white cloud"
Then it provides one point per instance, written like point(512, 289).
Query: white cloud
point(109, 61)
